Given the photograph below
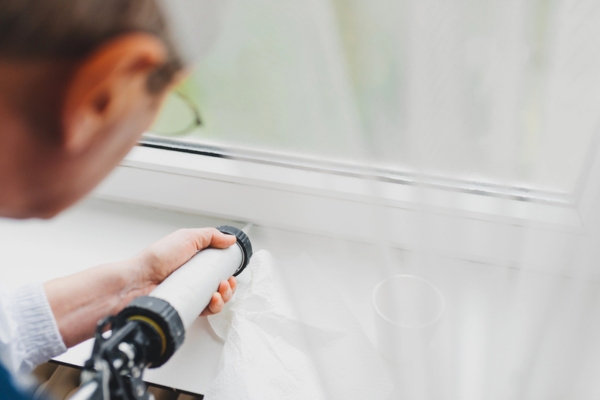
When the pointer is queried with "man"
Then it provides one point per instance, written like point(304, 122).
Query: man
point(80, 80)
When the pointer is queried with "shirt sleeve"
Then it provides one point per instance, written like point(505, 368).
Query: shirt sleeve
point(32, 336)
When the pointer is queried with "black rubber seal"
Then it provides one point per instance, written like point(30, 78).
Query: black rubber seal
point(243, 241)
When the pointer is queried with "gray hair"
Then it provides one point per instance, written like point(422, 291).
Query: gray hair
point(71, 29)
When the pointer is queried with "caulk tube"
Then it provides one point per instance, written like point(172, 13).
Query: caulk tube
point(190, 288)
point(174, 305)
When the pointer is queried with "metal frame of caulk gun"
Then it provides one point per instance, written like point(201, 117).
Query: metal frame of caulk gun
point(151, 328)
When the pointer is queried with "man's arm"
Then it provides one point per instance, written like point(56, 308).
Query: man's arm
point(79, 301)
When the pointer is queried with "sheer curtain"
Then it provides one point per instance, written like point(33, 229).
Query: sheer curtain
point(499, 94)
point(496, 92)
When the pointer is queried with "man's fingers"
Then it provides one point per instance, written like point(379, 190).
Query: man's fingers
point(210, 237)
point(225, 291)
point(215, 306)
point(222, 240)
point(172, 251)
point(233, 283)
point(222, 296)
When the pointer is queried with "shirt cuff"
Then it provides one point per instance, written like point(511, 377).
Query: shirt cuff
point(37, 332)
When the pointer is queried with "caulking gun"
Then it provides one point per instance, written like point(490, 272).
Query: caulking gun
point(151, 328)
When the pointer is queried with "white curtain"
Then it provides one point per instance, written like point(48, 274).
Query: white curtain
point(496, 92)
point(505, 93)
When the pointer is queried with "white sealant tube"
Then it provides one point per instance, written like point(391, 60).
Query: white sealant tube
point(190, 288)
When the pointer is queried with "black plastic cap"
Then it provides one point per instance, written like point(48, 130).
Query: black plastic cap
point(161, 317)
point(244, 243)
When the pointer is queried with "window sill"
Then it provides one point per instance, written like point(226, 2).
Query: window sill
point(458, 224)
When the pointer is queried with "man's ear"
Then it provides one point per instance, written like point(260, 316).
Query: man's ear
point(106, 85)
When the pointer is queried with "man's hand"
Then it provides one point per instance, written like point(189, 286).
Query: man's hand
point(79, 301)
point(159, 260)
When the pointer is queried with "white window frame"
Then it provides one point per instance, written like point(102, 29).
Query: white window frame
point(470, 223)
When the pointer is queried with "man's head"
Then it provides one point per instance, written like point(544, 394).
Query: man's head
point(79, 82)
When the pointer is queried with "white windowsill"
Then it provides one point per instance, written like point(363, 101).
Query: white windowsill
point(465, 225)
point(348, 188)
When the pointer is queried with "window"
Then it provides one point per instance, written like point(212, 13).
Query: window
point(353, 118)
point(502, 94)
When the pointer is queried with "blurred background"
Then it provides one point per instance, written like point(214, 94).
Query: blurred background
point(495, 102)
point(501, 93)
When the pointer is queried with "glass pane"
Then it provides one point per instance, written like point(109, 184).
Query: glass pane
point(500, 92)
